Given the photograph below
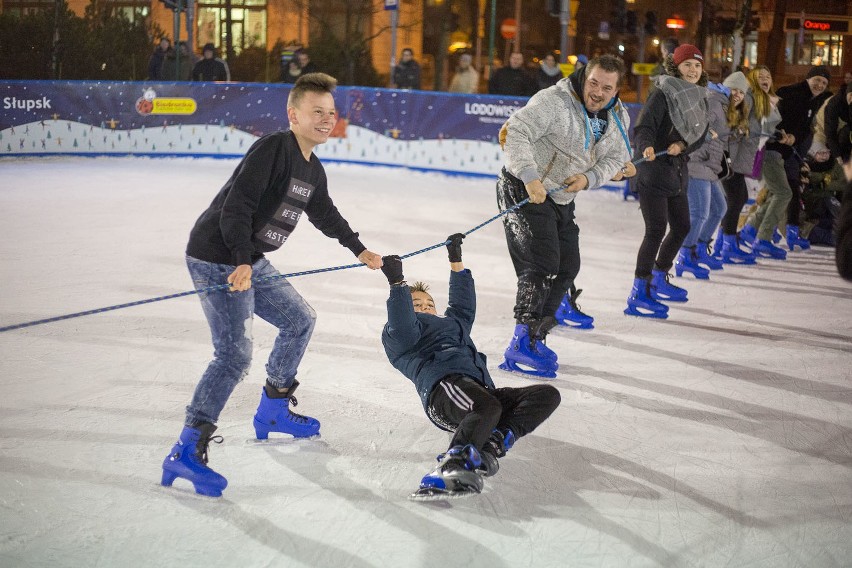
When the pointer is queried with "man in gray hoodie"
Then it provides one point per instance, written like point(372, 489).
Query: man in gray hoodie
point(570, 137)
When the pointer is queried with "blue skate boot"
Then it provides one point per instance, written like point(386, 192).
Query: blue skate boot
point(766, 249)
point(662, 289)
point(796, 240)
point(687, 260)
point(456, 474)
point(496, 447)
point(188, 459)
point(540, 329)
point(748, 234)
point(717, 244)
point(642, 303)
point(776, 236)
point(273, 415)
point(733, 254)
point(569, 314)
point(528, 355)
point(706, 257)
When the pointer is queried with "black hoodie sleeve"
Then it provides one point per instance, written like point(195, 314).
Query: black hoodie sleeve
point(323, 214)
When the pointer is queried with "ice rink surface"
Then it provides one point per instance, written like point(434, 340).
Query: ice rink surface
point(720, 437)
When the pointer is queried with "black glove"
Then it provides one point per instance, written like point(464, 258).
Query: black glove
point(392, 267)
point(454, 247)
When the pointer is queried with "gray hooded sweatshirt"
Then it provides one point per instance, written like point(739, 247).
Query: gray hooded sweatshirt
point(551, 139)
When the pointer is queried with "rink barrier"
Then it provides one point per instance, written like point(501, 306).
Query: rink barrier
point(278, 276)
point(431, 131)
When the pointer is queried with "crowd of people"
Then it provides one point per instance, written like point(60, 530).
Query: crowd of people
point(696, 147)
point(181, 64)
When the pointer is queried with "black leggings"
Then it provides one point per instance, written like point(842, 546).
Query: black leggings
point(659, 211)
point(736, 193)
point(459, 403)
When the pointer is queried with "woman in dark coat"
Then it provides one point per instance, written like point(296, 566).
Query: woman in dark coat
point(674, 118)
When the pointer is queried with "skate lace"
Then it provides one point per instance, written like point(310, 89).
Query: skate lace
point(572, 298)
point(294, 417)
point(203, 443)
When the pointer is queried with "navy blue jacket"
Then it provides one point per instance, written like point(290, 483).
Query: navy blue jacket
point(427, 348)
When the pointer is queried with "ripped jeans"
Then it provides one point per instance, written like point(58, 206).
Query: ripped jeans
point(230, 316)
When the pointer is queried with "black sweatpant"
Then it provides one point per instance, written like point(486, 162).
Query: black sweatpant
point(658, 211)
point(460, 404)
point(736, 193)
point(544, 244)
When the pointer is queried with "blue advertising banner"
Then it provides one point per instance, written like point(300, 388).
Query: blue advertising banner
point(421, 129)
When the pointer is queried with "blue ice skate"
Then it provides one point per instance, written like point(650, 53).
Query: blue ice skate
point(706, 257)
point(188, 459)
point(663, 290)
point(766, 249)
point(569, 314)
point(748, 234)
point(455, 475)
point(733, 254)
point(496, 447)
point(642, 303)
point(795, 240)
point(687, 261)
point(273, 415)
point(529, 356)
point(717, 244)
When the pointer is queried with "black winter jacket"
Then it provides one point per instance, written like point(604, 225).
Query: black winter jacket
point(512, 82)
point(797, 107)
point(837, 138)
point(666, 175)
point(427, 348)
point(407, 75)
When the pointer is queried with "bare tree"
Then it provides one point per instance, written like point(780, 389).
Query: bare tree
point(740, 31)
point(775, 42)
point(341, 33)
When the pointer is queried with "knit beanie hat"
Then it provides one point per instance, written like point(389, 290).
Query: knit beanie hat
point(687, 51)
point(819, 71)
point(736, 80)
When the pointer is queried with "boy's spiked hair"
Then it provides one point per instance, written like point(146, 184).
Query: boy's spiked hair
point(310, 83)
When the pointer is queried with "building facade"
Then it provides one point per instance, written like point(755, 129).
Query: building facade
point(265, 23)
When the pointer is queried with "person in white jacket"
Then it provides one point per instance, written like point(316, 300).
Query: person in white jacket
point(573, 134)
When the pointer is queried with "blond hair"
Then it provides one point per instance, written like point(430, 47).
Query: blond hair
point(762, 103)
point(737, 116)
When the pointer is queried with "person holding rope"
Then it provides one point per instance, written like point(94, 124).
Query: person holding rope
point(573, 134)
point(674, 121)
point(277, 181)
point(451, 376)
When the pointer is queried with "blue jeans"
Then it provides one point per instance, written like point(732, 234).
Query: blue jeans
point(230, 316)
point(707, 206)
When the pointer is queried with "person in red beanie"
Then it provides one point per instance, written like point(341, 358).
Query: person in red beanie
point(673, 119)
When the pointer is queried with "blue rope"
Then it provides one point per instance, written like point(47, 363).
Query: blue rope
point(269, 278)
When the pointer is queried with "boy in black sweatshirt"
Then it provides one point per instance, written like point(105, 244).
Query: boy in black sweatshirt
point(278, 181)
